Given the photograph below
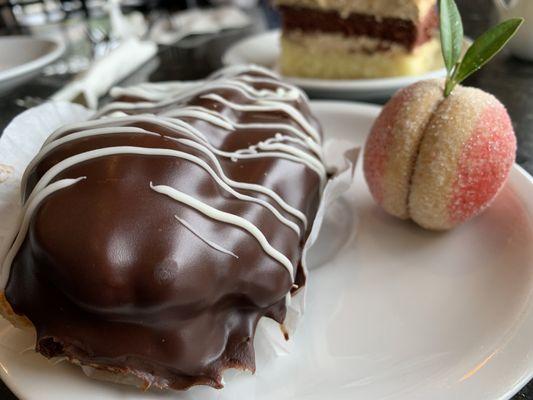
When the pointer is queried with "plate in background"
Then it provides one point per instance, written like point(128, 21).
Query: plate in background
point(263, 49)
point(23, 57)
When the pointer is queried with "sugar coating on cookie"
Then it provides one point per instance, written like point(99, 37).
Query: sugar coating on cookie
point(445, 159)
point(392, 146)
point(487, 157)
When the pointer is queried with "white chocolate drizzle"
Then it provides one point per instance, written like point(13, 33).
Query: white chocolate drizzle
point(210, 243)
point(296, 141)
point(221, 180)
point(232, 125)
point(269, 106)
point(250, 186)
point(247, 91)
point(77, 135)
point(228, 218)
point(50, 145)
point(202, 143)
point(24, 224)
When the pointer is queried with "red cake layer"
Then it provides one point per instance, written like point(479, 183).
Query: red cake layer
point(401, 31)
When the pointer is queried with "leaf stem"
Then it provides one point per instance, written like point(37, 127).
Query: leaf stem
point(478, 54)
point(451, 80)
point(448, 88)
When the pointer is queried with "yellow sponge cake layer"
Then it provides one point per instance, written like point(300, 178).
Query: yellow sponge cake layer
point(332, 56)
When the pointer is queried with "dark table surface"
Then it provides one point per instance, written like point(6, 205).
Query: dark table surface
point(510, 79)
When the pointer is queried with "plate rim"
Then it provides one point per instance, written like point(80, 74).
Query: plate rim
point(518, 177)
point(230, 57)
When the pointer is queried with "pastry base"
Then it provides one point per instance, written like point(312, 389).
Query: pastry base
point(96, 371)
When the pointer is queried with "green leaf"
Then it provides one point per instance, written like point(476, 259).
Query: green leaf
point(451, 33)
point(485, 47)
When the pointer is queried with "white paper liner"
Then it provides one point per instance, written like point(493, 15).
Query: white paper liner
point(25, 135)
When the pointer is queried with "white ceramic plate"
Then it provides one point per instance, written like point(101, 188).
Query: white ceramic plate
point(263, 49)
point(23, 57)
point(394, 312)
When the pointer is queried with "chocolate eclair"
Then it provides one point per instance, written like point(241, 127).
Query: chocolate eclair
point(156, 235)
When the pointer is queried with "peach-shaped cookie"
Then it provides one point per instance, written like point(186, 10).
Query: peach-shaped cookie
point(439, 160)
point(392, 146)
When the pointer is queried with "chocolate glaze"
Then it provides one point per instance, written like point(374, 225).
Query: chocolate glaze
point(396, 30)
point(109, 278)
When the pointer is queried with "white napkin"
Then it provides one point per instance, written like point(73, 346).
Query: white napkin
point(154, 91)
point(120, 62)
point(198, 21)
point(106, 72)
point(125, 26)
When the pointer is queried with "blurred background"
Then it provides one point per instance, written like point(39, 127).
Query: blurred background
point(192, 36)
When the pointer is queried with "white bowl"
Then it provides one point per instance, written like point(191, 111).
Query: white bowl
point(23, 57)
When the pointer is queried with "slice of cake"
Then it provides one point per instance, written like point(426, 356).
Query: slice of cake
point(345, 39)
